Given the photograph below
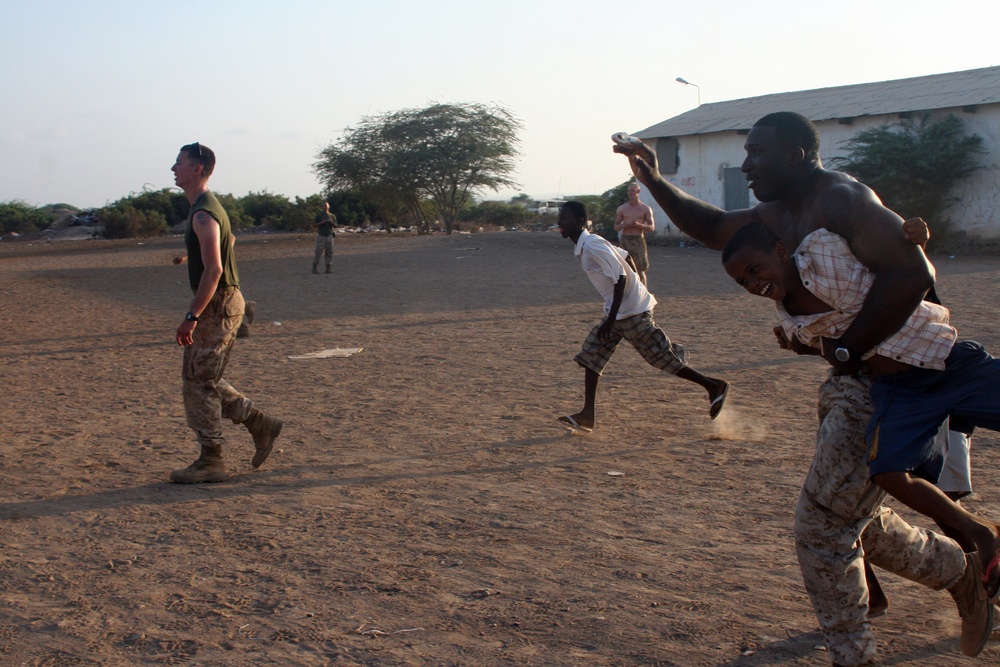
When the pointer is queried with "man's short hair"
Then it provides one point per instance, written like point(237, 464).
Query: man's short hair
point(793, 129)
point(755, 235)
point(202, 154)
point(576, 209)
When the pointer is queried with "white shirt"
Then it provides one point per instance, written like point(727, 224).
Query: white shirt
point(604, 264)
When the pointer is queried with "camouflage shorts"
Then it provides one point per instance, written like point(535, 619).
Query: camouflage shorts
point(635, 245)
point(647, 338)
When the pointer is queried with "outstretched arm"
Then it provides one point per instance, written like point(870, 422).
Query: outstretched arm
point(700, 220)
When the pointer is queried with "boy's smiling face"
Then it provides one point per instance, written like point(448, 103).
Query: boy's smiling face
point(771, 274)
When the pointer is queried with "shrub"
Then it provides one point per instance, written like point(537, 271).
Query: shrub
point(500, 214)
point(121, 221)
point(16, 216)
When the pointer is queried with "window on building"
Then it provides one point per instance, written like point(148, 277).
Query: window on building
point(666, 155)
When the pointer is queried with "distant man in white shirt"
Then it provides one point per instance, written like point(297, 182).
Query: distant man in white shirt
point(628, 310)
point(632, 221)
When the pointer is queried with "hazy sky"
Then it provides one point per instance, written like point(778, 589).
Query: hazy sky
point(96, 96)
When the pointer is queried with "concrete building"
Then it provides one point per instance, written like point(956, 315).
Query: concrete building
point(701, 150)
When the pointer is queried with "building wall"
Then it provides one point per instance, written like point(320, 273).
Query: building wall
point(702, 159)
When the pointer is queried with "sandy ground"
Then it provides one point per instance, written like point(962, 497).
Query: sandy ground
point(422, 506)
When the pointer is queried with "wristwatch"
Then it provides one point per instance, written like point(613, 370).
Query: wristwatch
point(191, 318)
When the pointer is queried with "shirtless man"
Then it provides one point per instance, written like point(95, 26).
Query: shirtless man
point(633, 220)
point(838, 503)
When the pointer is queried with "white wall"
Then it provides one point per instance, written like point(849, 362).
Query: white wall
point(977, 211)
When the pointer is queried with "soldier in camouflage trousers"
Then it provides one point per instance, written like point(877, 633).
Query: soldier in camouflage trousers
point(209, 329)
point(840, 518)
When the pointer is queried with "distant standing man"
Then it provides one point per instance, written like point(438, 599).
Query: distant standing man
point(633, 220)
point(208, 331)
point(325, 223)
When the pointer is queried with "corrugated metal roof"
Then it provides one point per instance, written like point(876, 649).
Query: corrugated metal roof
point(922, 93)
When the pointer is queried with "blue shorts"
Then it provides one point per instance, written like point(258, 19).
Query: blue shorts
point(911, 406)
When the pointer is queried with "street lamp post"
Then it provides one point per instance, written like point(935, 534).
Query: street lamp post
point(688, 83)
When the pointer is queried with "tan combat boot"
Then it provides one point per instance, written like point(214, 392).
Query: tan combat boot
point(208, 468)
point(264, 428)
point(973, 607)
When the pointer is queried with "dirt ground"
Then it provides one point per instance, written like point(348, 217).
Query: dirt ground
point(422, 506)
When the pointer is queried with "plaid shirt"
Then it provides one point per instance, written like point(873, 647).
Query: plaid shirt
point(834, 275)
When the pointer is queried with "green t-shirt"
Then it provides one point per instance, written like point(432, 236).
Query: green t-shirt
point(327, 221)
point(196, 266)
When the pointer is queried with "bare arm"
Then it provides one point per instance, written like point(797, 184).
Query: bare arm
point(207, 230)
point(616, 303)
point(793, 344)
point(631, 263)
point(619, 219)
point(902, 273)
point(702, 221)
point(647, 221)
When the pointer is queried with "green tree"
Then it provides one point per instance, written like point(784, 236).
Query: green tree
point(352, 208)
point(912, 165)
point(265, 209)
point(17, 216)
point(441, 155)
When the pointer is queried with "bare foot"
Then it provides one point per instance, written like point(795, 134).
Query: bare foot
point(578, 422)
point(718, 398)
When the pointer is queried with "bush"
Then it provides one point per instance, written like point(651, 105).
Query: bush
point(265, 209)
point(16, 216)
point(238, 219)
point(173, 205)
point(122, 221)
point(497, 213)
point(302, 214)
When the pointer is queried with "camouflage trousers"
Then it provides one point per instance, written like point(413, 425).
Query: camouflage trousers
point(635, 245)
point(207, 397)
point(840, 518)
point(324, 246)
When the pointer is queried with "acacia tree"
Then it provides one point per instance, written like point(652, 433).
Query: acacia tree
point(415, 161)
point(912, 165)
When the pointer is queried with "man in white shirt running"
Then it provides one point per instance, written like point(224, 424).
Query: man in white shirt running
point(628, 310)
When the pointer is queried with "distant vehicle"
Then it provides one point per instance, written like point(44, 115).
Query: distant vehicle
point(546, 206)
